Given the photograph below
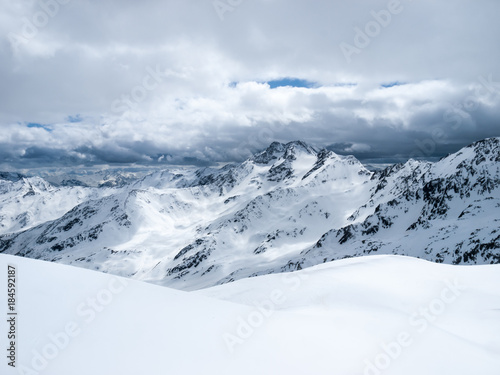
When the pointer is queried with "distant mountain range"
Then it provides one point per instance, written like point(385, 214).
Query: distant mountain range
point(289, 207)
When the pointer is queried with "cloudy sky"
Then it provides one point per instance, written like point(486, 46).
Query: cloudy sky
point(197, 81)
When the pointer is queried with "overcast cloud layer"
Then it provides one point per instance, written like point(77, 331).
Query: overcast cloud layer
point(186, 81)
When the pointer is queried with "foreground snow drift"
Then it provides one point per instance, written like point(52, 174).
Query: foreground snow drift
point(372, 315)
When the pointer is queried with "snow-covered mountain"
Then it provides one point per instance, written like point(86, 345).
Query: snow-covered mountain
point(26, 202)
point(289, 207)
point(386, 315)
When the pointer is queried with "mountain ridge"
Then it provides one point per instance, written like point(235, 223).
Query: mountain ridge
point(286, 208)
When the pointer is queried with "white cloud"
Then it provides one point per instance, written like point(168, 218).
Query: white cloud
point(91, 54)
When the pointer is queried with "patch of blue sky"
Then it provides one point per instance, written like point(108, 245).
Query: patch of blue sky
point(292, 82)
point(40, 126)
point(392, 84)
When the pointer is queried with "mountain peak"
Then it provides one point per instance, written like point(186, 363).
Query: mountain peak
point(487, 149)
point(473, 159)
point(277, 150)
point(273, 152)
point(300, 145)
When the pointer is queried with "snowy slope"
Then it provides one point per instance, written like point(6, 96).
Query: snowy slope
point(356, 316)
point(287, 208)
point(446, 212)
point(161, 227)
point(28, 202)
